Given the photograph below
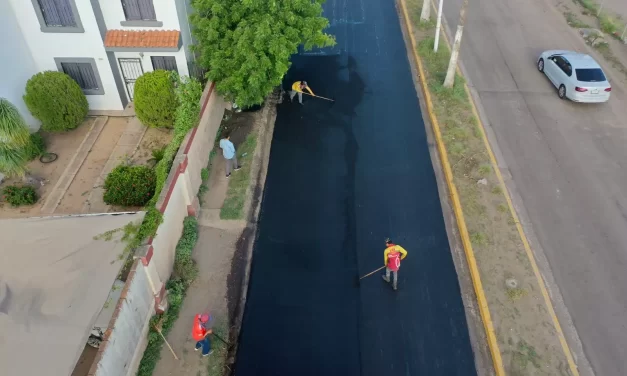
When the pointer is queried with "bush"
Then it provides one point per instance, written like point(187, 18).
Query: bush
point(188, 93)
point(36, 147)
point(18, 196)
point(155, 101)
point(14, 138)
point(184, 266)
point(56, 100)
point(129, 186)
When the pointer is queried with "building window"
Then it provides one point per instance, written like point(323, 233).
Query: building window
point(84, 72)
point(58, 16)
point(139, 10)
point(164, 62)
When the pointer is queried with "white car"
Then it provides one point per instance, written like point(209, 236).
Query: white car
point(576, 76)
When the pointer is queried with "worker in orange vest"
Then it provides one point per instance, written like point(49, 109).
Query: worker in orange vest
point(200, 333)
point(297, 88)
point(392, 257)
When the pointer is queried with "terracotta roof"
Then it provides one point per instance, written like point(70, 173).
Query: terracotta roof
point(142, 38)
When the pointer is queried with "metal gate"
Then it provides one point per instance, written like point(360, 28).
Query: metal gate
point(131, 70)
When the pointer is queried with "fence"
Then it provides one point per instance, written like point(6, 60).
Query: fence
point(144, 291)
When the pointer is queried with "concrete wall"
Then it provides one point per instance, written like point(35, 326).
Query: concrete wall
point(144, 291)
point(126, 339)
point(46, 46)
point(16, 64)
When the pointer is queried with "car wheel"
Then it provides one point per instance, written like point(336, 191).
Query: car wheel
point(541, 65)
point(561, 92)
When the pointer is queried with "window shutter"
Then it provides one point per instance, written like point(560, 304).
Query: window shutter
point(131, 10)
point(82, 73)
point(164, 62)
point(147, 10)
point(64, 10)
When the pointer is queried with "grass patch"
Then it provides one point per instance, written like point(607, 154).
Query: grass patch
point(610, 24)
point(216, 362)
point(574, 21)
point(233, 207)
point(590, 6)
point(497, 190)
point(185, 270)
point(479, 238)
point(605, 50)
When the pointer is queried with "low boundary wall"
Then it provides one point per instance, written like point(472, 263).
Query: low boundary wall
point(144, 292)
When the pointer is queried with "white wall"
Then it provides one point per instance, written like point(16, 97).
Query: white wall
point(16, 63)
point(44, 47)
point(165, 11)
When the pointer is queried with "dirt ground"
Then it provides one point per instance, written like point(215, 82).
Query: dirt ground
point(78, 191)
point(62, 144)
point(153, 139)
point(615, 56)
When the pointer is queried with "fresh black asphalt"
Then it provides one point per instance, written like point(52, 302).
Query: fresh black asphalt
point(342, 177)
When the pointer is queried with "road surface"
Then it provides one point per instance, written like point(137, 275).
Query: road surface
point(342, 177)
point(568, 162)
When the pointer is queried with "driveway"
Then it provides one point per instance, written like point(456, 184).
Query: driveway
point(342, 177)
point(567, 161)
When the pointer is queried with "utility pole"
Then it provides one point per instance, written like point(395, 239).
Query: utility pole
point(426, 10)
point(452, 64)
point(438, 27)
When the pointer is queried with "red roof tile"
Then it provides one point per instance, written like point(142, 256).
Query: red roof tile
point(142, 38)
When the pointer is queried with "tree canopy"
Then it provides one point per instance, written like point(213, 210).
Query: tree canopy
point(246, 44)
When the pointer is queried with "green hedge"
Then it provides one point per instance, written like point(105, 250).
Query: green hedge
point(185, 270)
point(155, 100)
point(56, 100)
point(129, 186)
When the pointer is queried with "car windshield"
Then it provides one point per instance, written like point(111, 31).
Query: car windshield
point(590, 75)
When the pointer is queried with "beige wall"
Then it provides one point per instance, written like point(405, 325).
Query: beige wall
point(125, 341)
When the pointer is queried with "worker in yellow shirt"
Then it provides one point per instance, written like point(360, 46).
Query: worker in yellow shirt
point(298, 87)
point(392, 257)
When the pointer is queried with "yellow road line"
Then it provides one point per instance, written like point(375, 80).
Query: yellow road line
point(457, 208)
point(521, 232)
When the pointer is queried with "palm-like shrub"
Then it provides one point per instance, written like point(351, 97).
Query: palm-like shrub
point(14, 139)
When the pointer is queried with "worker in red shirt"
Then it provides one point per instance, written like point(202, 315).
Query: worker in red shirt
point(200, 333)
point(392, 257)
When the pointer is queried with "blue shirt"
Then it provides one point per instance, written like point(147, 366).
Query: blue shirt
point(228, 149)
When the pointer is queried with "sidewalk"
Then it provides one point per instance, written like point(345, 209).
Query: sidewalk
point(218, 254)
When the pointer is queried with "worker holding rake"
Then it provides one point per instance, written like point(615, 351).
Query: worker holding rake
point(392, 257)
point(200, 332)
point(297, 88)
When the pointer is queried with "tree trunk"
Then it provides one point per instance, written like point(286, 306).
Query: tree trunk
point(438, 26)
point(452, 64)
point(426, 10)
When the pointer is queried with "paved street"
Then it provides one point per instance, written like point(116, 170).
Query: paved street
point(342, 177)
point(568, 162)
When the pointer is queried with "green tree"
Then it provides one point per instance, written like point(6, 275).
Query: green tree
point(246, 45)
point(14, 139)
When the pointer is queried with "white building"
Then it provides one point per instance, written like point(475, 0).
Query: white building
point(105, 45)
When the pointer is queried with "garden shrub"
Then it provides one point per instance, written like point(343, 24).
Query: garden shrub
point(18, 196)
point(129, 186)
point(184, 266)
point(56, 100)
point(36, 147)
point(155, 100)
point(188, 92)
